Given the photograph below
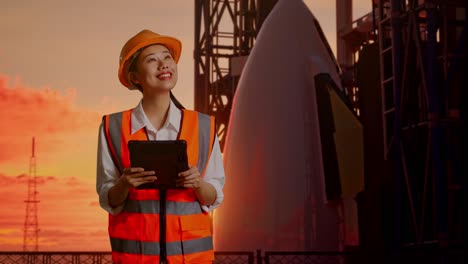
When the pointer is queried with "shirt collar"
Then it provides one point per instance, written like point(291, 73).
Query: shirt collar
point(140, 120)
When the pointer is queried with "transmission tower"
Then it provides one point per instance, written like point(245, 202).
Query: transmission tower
point(31, 226)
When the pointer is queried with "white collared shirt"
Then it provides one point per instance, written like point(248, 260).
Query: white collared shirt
point(107, 174)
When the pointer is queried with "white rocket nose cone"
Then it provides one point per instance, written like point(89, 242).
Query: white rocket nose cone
point(274, 188)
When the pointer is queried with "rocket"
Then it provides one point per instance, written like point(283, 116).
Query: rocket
point(293, 153)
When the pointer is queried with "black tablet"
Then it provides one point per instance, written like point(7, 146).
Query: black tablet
point(166, 157)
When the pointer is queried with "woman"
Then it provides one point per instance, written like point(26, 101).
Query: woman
point(148, 63)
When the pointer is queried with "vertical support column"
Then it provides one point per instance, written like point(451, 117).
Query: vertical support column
point(259, 257)
point(464, 139)
point(464, 121)
point(397, 73)
point(201, 66)
point(197, 52)
point(441, 187)
point(344, 20)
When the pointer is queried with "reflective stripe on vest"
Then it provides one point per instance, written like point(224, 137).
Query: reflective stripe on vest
point(152, 207)
point(152, 248)
point(134, 233)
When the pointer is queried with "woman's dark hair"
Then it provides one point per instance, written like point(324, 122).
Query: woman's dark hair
point(132, 67)
point(176, 102)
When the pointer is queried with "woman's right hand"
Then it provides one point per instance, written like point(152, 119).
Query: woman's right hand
point(134, 177)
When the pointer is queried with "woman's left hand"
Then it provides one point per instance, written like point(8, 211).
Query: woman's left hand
point(190, 178)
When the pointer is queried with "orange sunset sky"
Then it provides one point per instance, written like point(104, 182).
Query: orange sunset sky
point(58, 76)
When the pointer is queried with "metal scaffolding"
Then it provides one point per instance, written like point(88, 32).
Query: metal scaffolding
point(225, 32)
point(421, 46)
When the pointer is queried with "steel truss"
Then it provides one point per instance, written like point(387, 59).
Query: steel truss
point(225, 32)
point(422, 44)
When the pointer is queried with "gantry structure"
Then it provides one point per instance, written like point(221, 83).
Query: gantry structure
point(423, 54)
point(420, 48)
point(225, 32)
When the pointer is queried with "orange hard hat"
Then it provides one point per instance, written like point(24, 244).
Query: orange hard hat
point(143, 39)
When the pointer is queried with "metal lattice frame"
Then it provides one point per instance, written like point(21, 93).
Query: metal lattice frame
point(224, 29)
point(415, 115)
point(357, 35)
point(305, 257)
point(242, 257)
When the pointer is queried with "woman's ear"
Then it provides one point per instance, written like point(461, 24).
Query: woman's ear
point(133, 78)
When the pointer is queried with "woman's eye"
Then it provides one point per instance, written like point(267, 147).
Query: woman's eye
point(151, 59)
point(168, 57)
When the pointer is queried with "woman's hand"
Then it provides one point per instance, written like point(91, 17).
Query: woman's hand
point(190, 178)
point(131, 177)
point(134, 177)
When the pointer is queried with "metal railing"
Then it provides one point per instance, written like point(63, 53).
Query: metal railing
point(20, 257)
point(433, 256)
point(305, 257)
point(240, 257)
point(55, 257)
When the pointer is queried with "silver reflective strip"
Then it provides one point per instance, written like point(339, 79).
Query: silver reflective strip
point(152, 248)
point(197, 245)
point(203, 140)
point(134, 246)
point(115, 131)
point(152, 207)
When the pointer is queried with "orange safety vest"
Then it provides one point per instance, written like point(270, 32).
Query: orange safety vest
point(134, 232)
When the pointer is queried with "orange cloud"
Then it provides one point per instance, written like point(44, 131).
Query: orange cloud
point(47, 114)
point(23, 179)
point(69, 215)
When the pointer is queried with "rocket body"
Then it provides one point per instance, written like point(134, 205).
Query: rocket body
point(276, 194)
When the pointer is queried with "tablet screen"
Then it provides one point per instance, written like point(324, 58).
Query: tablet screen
point(166, 157)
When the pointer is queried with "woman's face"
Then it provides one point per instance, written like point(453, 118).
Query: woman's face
point(156, 70)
